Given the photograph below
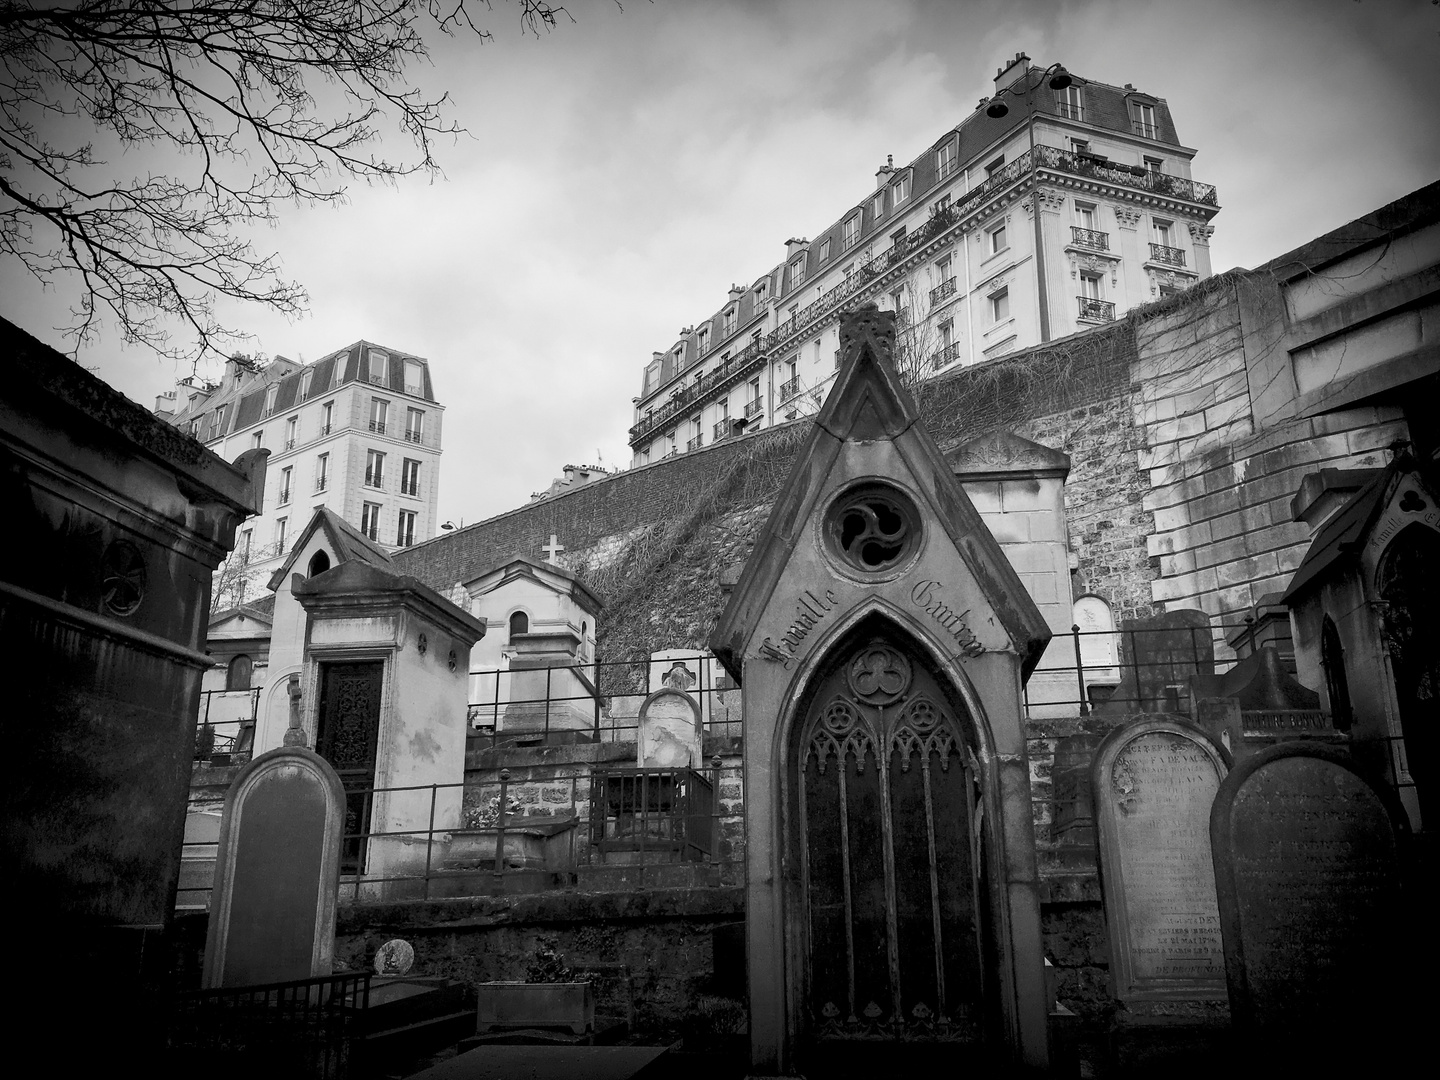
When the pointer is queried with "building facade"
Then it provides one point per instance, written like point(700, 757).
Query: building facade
point(1072, 207)
point(357, 432)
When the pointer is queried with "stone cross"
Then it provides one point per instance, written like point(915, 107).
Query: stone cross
point(552, 550)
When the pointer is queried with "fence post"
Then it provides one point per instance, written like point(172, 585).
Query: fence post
point(500, 823)
point(1080, 670)
point(548, 670)
point(495, 718)
point(430, 841)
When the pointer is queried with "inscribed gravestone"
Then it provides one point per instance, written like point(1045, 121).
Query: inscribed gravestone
point(670, 736)
point(1307, 871)
point(1154, 782)
point(272, 915)
point(1158, 656)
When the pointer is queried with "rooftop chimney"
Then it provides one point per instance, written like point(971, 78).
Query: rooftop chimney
point(165, 403)
point(883, 173)
point(737, 291)
point(793, 245)
point(1008, 73)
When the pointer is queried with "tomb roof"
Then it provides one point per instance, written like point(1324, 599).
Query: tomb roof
point(551, 575)
point(348, 543)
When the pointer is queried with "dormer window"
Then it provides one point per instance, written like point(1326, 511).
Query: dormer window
point(1069, 104)
point(825, 250)
point(271, 392)
point(305, 381)
point(519, 624)
point(945, 159)
point(877, 205)
point(379, 367)
point(730, 316)
point(703, 339)
point(851, 230)
point(414, 379)
point(1142, 119)
point(900, 190)
point(760, 295)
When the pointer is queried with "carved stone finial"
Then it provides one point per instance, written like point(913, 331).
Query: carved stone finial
point(294, 734)
point(869, 322)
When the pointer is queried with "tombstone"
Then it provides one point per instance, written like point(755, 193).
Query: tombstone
point(1154, 782)
point(1258, 703)
point(670, 735)
point(693, 671)
point(1099, 649)
point(1158, 656)
point(272, 911)
point(1308, 876)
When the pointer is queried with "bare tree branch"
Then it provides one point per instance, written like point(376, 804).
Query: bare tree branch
point(252, 102)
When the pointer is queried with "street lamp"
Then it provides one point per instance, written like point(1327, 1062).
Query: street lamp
point(1057, 78)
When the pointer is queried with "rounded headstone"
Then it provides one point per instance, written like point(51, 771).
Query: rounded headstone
point(395, 957)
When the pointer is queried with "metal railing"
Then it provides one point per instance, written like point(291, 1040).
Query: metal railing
point(942, 291)
point(1146, 130)
point(305, 1027)
point(753, 408)
point(789, 388)
point(948, 355)
point(226, 727)
point(1096, 310)
point(730, 372)
point(412, 436)
point(1170, 256)
point(1131, 176)
point(1069, 110)
point(377, 426)
point(1091, 238)
point(695, 443)
point(320, 484)
point(722, 429)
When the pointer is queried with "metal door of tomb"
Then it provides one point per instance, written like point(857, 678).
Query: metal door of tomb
point(347, 736)
point(891, 864)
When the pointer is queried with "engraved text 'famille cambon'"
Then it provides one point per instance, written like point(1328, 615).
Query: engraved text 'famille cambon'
point(809, 610)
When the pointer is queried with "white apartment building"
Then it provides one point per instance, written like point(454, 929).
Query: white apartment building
point(1072, 206)
point(358, 432)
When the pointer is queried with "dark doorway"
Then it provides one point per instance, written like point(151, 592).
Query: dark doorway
point(1408, 580)
point(347, 737)
point(890, 886)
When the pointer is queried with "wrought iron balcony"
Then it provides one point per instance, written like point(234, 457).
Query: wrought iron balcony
point(789, 389)
point(377, 426)
point(289, 444)
point(695, 443)
point(1146, 130)
point(722, 428)
point(753, 408)
point(1131, 176)
point(942, 291)
point(672, 452)
point(1070, 111)
point(284, 496)
point(948, 355)
point(1170, 256)
point(325, 431)
point(373, 479)
point(412, 436)
point(1091, 238)
point(320, 484)
point(730, 371)
point(1096, 310)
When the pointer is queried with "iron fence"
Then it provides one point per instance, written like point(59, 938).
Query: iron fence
point(301, 1028)
point(226, 727)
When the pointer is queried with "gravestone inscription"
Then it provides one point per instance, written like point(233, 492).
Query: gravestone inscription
point(1154, 782)
point(1307, 870)
point(277, 871)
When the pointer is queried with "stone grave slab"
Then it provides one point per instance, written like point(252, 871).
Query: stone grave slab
point(1158, 656)
point(492, 1062)
point(1308, 877)
point(1153, 785)
point(277, 870)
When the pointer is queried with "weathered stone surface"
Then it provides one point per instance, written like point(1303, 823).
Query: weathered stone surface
point(1307, 870)
point(1154, 783)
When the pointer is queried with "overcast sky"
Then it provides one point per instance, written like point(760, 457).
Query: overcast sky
point(625, 169)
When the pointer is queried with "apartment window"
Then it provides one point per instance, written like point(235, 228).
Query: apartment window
point(194, 429)
point(998, 240)
point(730, 314)
point(824, 250)
point(849, 272)
point(793, 313)
point(322, 472)
point(724, 404)
point(374, 469)
point(1080, 146)
point(338, 375)
point(305, 381)
point(1085, 215)
point(645, 456)
point(285, 476)
point(1143, 119)
point(900, 190)
point(945, 160)
point(947, 333)
point(414, 378)
point(410, 477)
point(405, 534)
point(877, 205)
point(292, 431)
point(852, 230)
point(271, 392)
point(1164, 232)
point(370, 520)
point(280, 524)
point(760, 295)
point(679, 356)
point(1090, 286)
point(414, 425)
point(703, 340)
point(942, 205)
point(1000, 306)
point(797, 268)
point(994, 165)
point(898, 236)
point(379, 369)
point(327, 416)
point(379, 412)
point(1069, 103)
point(257, 440)
point(1152, 165)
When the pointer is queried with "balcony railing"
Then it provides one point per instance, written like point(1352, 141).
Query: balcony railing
point(948, 355)
point(1070, 111)
point(730, 371)
point(377, 426)
point(325, 431)
point(1090, 238)
point(1170, 256)
point(284, 496)
point(695, 443)
point(320, 484)
point(1096, 310)
point(1145, 130)
point(289, 444)
point(673, 451)
point(722, 428)
point(752, 408)
point(412, 488)
point(412, 436)
point(942, 291)
point(374, 479)
point(789, 389)
point(1132, 176)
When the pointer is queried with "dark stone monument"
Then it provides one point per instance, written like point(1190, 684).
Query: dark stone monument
point(272, 912)
point(1258, 703)
point(1158, 656)
point(1154, 782)
point(1308, 876)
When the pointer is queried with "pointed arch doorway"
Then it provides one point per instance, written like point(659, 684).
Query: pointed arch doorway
point(887, 866)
